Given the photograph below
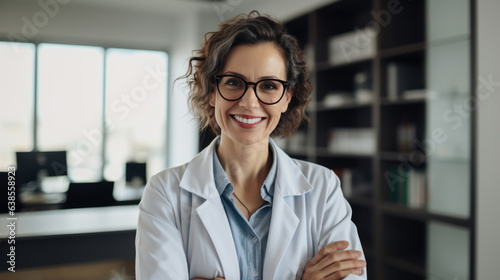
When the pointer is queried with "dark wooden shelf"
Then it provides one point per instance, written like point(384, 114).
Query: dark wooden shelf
point(348, 106)
point(398, 156)
point(415, 265)
point(327, 65)
point(395, 235)
point(403, 50)
point(324, 152)
point(421, 214)
point(401, 101)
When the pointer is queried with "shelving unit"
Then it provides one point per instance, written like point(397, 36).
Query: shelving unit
point(433, 43)
point(396, 238)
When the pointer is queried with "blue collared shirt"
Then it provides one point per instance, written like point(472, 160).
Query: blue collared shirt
point(249, 236)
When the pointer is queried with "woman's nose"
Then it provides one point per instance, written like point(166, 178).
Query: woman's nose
point(250, 100)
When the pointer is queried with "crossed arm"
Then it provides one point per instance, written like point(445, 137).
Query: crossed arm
point(332, 262)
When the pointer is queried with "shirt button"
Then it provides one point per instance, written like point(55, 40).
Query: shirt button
point(255, 273)
point(254, 240)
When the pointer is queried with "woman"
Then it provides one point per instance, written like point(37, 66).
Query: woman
point(243, 209)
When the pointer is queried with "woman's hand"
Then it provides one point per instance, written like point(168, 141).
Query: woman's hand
point(333, 263)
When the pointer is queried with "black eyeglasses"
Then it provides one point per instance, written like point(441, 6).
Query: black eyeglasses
point(268, 91)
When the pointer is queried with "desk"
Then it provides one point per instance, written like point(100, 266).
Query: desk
point(67, 236)
point(123, 194)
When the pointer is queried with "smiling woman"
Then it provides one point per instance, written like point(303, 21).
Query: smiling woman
point(242, 208)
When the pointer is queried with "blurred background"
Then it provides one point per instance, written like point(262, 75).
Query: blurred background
point(404, 110)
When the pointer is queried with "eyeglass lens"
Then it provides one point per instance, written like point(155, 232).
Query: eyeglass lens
point(268, 91)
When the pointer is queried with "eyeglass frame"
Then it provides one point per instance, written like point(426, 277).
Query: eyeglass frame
point(285, 84)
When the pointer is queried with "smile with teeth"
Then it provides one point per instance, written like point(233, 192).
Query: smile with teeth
point(248, 121)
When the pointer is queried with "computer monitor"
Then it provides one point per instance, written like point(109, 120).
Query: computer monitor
point(135, 173)
point(32, 167)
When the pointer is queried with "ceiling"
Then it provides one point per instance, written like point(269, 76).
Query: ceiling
point(158, 6)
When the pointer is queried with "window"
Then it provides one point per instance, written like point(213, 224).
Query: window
point(70, 98)
point(17, 72)
point(105, 107)
point(135, 110)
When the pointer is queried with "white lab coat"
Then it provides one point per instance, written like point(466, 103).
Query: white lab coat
point(183, 232)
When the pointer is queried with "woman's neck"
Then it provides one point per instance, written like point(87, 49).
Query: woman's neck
point(246, 166)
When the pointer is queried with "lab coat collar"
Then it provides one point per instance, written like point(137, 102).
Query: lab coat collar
point(198, 177)
point(289, 178)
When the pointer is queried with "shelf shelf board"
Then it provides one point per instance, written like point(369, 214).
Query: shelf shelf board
point(399, 156)
point(324, 152)
point(401, 101)
point(421, 214)
point(415, 266)
point(348, 106)
point(402, 50)
point(327, 65)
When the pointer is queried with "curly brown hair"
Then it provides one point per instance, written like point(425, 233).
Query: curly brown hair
point(244, 29)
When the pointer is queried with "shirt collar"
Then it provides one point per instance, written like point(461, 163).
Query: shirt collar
point(222, 181)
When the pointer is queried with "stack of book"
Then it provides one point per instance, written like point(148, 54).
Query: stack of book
point(407, 187)
point(352, 141)
point(352, 46)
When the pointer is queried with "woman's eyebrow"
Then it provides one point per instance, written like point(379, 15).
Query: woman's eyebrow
point(244, 77)
point(235, 74)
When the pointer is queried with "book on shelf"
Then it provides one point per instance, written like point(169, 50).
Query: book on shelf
point(407, 187)
point(352, 141)
point(352, 46)
point(414, 94)
point(406, 135)
point(337, 99)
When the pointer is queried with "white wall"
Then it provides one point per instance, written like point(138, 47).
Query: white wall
point(174, 28)
point(488, 149)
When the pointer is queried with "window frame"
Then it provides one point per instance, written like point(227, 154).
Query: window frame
point(105, 47)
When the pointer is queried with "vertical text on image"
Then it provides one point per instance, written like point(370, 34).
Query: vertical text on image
point(11, 222)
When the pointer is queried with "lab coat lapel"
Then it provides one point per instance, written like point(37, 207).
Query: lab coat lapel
point(198, 179)
point(290, 182)
point(214, 219)
point(283, 225)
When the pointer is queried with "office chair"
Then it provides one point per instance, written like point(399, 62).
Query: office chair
point(95, 194)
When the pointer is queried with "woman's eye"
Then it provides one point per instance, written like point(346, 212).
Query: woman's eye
point(233, 82)
point(268, 85)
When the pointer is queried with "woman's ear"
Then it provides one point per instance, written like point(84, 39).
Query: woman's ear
point(212, 99)
point(286, 100)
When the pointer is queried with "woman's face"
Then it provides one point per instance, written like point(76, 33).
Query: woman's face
point(247, 120)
